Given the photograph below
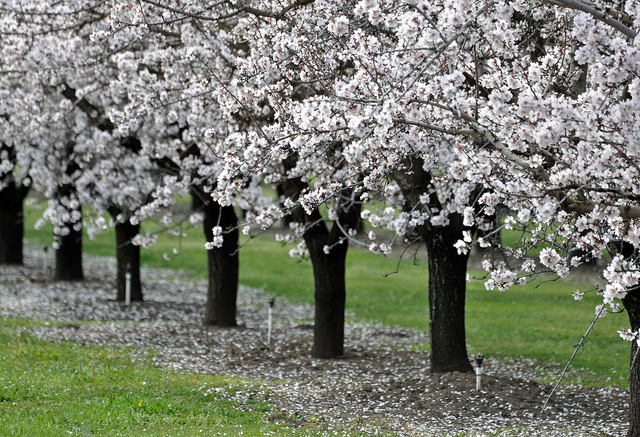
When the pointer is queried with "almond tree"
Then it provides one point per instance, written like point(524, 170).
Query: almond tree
point(49, 57)
point(560, 148)
point(37, 150)
point(213, 51)
point(166, 86)
point(332, 76)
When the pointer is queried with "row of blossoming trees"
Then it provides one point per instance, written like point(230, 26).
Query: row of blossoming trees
point(419, 117)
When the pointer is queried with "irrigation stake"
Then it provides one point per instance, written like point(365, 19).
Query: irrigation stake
point(127, 290)
point(575, 351)
point(45, 260)
point(272, 301)
point(479, 359)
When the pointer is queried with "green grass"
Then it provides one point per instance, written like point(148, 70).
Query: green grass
point(544, 324)
point(536, 323)
point(65, 389)
point(541, 323)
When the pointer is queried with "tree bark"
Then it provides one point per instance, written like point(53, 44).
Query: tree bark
point(447, 273)
point(632, 305)
point(328, 268)
point(330, 297)
point(222, 263)
point(69, 256)
point(127, 258)
point(447, 290)
point(11, 224)
point(12, 212)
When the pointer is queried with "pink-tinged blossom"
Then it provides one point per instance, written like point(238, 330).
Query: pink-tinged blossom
point(462, 247)
point(339, 26)
point(600, 310)
point(628, 335)
point(468, 216)
point(550, 258)
point(509, 221)
point(466, 236)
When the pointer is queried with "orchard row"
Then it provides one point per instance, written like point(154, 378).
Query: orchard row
point(419, 117)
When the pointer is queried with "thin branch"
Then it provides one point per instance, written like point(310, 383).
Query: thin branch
point(435, 128)
point(233, 13)
point(598, 15)
point(626, 211)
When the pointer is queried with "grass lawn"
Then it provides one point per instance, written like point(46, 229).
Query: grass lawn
point(539, 322)
point(65, 389)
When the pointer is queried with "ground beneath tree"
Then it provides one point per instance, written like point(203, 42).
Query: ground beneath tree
point(381, 385)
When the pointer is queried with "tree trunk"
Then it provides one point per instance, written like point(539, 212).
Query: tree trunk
point(12, 212)
point(447, 273)
point(223, 265)
point(632, 305)
point(128, 258)
point(11, 224)
point(447, 289)
point(69, 256)
point(328, 268)
point(330, 297)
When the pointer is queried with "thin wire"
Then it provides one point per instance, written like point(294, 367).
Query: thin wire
point(575, 351)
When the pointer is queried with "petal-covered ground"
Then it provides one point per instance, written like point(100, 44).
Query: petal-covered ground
point(381, 381)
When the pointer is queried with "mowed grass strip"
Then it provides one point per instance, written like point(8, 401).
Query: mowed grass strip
point(65, 389)
point(540, 322)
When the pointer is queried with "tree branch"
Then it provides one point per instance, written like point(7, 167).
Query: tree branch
point(435, 128)
point(626, 211)
point(233, 13)
point(96, 116)
point(598, 15)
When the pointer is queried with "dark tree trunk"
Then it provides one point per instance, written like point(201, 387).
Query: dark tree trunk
point(447, 289)
point(328, 268)
point(632, 305)
point(197, 200)
point(11, 224)
point(69, 256)
point(128, 258)
point(223, 263)
point(447, 274)
point(330, 297)
point(11, 213)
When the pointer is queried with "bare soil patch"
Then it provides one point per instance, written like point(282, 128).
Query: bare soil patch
point(381, 385)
